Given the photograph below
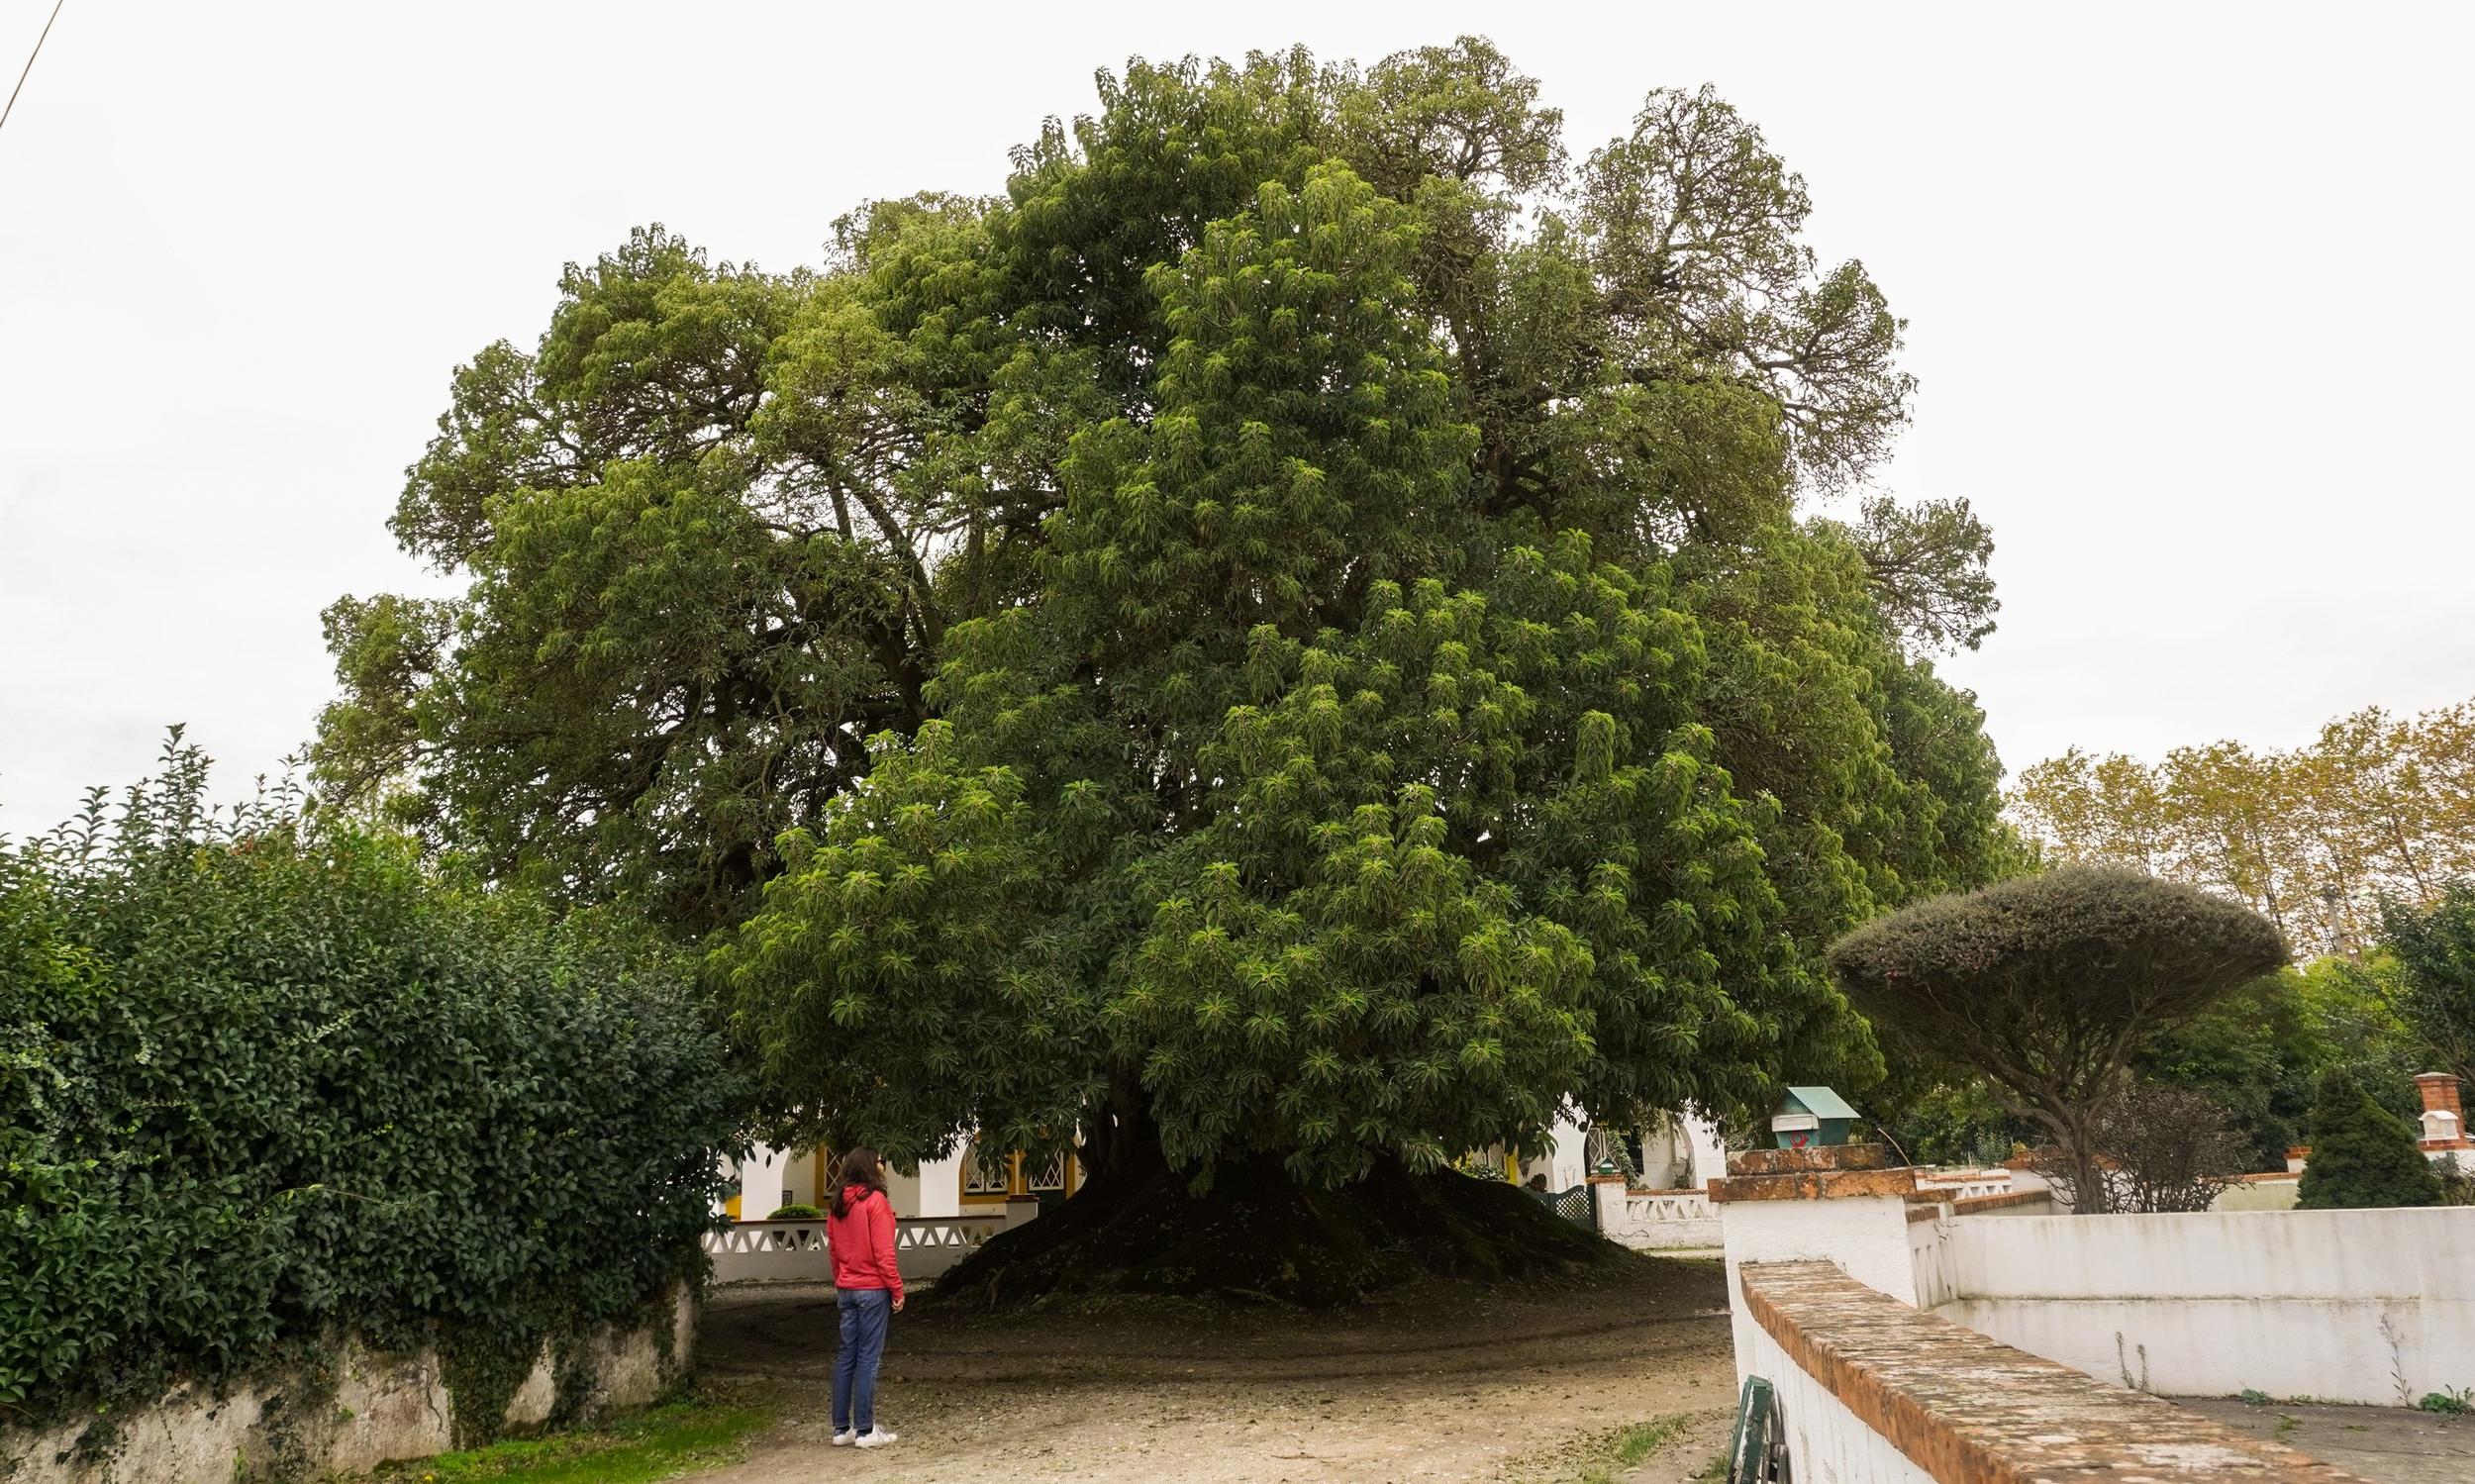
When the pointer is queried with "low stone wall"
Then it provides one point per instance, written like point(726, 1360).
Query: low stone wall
point(1872, 1390)
point(369, 1408)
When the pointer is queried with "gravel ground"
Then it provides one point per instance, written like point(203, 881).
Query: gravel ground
point(1505, 1386)
point(2386, 1445)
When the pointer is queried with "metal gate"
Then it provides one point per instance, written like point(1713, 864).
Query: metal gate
point(1575, 1204)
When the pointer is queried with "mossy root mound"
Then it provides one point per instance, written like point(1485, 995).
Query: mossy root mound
point(1258, 1235)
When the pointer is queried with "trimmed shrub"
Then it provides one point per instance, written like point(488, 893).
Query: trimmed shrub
point(2048, 984)
point(263, 1081)
point(2362, 1154)
point(796, 1212)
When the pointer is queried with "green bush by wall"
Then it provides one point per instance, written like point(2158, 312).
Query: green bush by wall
point(2362, 1154)
point(263, 1081)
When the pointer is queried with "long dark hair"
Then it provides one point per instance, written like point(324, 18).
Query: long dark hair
point(859, 1168)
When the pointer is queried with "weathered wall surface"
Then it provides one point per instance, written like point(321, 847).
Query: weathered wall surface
point(2352, 1305)
point(378, 1407)
point(1874, 1392)
point(1827, 1438)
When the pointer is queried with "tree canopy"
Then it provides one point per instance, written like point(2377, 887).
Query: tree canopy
point(2434, 951)
point(1303, 627)
point(2049, 984)
point(2377, 808)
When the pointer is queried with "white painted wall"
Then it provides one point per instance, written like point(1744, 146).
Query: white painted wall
point(1865, 1236)
point(1827, 1442)
point(2354, 1305)
point(1568, 1164)
point(940, 1184)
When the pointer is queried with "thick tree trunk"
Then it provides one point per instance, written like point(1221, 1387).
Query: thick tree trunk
point(1139, 1227)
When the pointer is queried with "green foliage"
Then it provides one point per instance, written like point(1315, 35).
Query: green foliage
point(2047, 984)
point(2435, 950)
point(264, 1080)
point(2450, 1401)
point(661, 1442)
point(2260, 1052)
point(1287, 633)
point(1954, 1119)
point(795, 1212)
point(2362, 1154)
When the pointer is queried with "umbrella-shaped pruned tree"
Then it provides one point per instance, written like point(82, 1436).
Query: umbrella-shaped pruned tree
point(2048, 984)
point(1287, 647)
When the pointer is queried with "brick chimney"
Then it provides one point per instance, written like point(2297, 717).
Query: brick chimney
point(2444, 1121)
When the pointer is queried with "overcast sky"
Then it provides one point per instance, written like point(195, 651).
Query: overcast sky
point(2186, 288)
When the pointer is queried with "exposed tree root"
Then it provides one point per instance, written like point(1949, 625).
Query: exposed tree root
point(1258, 1235)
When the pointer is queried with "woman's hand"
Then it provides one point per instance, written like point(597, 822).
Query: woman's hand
point(898, 1303)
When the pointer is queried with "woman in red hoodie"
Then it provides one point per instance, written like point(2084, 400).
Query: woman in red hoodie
point(859, 1233)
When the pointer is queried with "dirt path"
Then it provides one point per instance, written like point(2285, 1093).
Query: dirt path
point(1513, 1385)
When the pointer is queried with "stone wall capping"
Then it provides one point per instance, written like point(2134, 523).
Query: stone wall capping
point(1815, 1185)
point(1969, 1410)
point(1841, 1156)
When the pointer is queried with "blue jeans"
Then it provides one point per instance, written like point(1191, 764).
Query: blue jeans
point(864, 1312)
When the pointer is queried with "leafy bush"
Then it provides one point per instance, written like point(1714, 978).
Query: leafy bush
point(264, 1080)
point(797, 1211)
point(2162, 1148)
point(2362, 1154)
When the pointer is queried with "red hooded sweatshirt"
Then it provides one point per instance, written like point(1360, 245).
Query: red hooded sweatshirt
point(862, 1242)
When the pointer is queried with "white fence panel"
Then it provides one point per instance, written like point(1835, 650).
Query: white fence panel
point(925, 1247)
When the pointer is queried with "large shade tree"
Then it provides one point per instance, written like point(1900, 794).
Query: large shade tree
point(1298, 637)
point(2051, 984)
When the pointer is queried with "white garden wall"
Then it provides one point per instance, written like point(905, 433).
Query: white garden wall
point(1825, 1441)
point(2352, 1306)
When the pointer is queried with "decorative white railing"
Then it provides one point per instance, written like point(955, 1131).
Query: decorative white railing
point(1965, 1187)
point(924, 1246)
point(1652, 1218)
point(1667, 1206)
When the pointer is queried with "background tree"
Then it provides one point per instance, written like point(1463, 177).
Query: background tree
point(2314, 838)
point(2362, 1154)
point(1293, 634)
point(2433, 949)
point(2049, 984)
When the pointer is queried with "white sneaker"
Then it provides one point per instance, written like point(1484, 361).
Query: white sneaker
point(878, 1438)
point(844, 1439)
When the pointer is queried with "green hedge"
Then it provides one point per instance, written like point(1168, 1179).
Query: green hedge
point(264, 1082)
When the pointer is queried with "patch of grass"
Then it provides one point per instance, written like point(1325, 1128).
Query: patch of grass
point(1627, 1446)
point(1714, 1471)
point(681, 1436)
point(2287, 1422)
point(2254, 1397)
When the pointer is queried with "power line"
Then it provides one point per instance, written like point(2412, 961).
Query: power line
point(29, 61)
